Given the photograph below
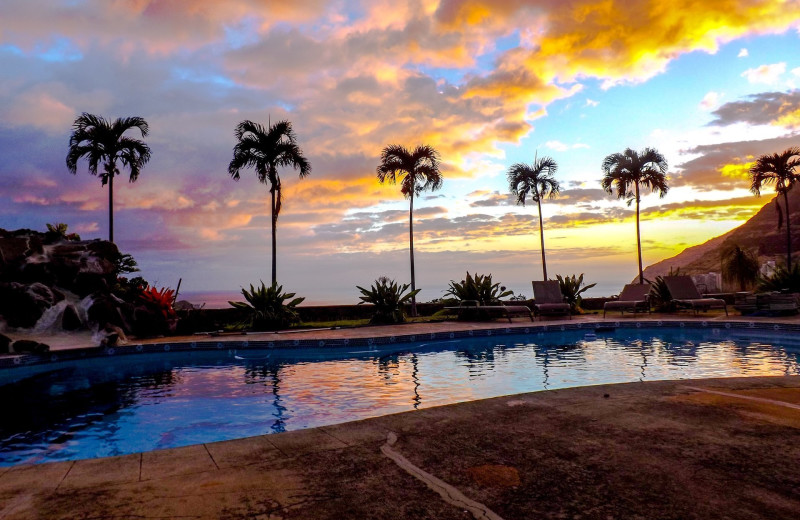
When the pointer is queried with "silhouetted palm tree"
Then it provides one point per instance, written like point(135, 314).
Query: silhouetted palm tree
point(627, 172)
point(264, 149)
point(103, 143)
point(739, 266)
point(780, 169)
point(537, 180)
point(420, 172)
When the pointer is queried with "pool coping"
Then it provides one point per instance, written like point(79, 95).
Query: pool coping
point(380, 340)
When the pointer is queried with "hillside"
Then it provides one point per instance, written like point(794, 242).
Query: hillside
point(760, 234)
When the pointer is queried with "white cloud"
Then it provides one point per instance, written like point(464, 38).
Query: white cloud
point(557, 146)
point(591, 103)
point(768, 74)
point(710, 101)
point(743, 53)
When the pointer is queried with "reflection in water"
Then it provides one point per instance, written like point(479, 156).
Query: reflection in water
point(127, 404)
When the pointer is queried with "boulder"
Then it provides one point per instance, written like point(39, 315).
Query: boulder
point(70, 320)
point(37, 269)
point(27, 346)
point(5, 344)
point(22, 308)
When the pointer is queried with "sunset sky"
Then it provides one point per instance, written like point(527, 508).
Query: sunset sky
point(709, 84)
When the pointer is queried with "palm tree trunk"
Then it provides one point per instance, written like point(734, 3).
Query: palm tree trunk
point(788, 232)
point(111, 206)
point(639, 236)
point(274, 243)
point(411, 249)
point(541, 237)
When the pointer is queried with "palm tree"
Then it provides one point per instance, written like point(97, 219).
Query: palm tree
point(264, 149)
point(104, 142)
point(537, 180)
point(739, 266)
point(628, 172)
point(420, 172)
point(780, 169)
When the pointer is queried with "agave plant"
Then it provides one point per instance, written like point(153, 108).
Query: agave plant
point(477, 288)
point(571, 288)
point(660, 296)
point(783, 280)
point(266, 307)
point(388, 298)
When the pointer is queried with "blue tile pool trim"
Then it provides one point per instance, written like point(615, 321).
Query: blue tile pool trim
point(220, 344)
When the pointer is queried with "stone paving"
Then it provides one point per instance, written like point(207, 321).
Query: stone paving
point(724, 448)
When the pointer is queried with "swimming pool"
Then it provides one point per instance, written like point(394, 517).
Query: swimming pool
point(113, 405)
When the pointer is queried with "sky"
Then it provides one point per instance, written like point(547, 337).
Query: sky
point(711, 85)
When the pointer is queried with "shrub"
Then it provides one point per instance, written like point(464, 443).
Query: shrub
point(660, 297)
point(153, 313)
point(571, 289)
point(783, 280)
point(162, 300)
point(59, 231)
point(477, 288)
point(388, 299)
point(266, 308)
point(129, 290)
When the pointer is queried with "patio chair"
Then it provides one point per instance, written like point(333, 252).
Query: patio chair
point(635, 297)
point(685, 294)
point(548, 299)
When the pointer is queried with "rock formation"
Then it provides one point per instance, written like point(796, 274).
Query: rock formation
point(50, 283)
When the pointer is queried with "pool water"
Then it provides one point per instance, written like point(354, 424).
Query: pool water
point(127, 404)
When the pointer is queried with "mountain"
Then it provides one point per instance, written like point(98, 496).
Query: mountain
point(759, 234)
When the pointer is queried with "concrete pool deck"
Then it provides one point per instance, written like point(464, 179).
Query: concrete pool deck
point(724, 448)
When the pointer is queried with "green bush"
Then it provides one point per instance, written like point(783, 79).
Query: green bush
point(267, 309)
point(571, 289)
point(388, 299)
point(477, 288)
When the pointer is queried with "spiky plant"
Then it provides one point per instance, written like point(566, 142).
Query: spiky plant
point(388, 298)
point(660, 296)
point(162, 300)
point(782, 280)
point(477, 288)
point(571, 288)
point(267, 308)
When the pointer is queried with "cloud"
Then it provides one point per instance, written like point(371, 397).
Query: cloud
point(767, 108)
point(768, 74)
point(722, 166)
point(591, 103)
point(710, 100)
point(563, 147)
point(743, 53)
point(616, 42)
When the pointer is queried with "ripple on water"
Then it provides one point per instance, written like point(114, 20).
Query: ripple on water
point(117, 405)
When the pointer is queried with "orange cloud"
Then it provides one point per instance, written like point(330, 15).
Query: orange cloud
point(617, 41)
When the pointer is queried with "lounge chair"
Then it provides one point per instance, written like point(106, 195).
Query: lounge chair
point(548, 299)
point(684, 293)
point(473, 306)
point(635, 297)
